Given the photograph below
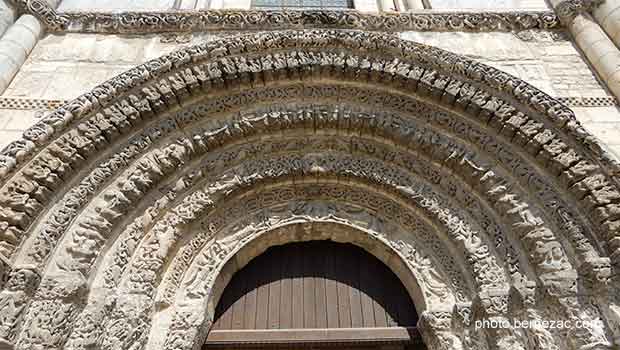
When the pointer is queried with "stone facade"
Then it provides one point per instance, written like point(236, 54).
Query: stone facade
point(149, 154)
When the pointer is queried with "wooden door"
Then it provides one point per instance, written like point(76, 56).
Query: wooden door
point(315, 294)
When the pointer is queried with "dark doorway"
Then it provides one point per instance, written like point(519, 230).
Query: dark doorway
point(315, 294)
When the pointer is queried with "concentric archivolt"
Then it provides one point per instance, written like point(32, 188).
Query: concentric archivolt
point(488, 197)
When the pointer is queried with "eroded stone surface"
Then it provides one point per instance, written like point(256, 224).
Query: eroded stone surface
point(114, 206)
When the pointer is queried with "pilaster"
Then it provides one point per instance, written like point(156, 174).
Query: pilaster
point(18, 41)
point(7, 16)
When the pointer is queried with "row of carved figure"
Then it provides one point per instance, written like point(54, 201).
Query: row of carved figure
point(117, 207)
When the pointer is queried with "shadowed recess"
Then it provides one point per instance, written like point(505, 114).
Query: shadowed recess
point(316, 284)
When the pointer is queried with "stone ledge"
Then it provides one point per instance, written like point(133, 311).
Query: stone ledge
point(49, 105)
point(137, 22)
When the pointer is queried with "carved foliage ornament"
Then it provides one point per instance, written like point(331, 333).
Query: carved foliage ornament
point(567, 10)
point(184, 21)
point(577, 161)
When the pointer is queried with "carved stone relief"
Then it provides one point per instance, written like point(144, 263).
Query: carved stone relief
point(208, 20)
point(170, 155)
point(14, 298)
point(567, 10)
point(106, 188)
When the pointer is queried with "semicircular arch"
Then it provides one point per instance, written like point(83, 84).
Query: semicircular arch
point(134, 147)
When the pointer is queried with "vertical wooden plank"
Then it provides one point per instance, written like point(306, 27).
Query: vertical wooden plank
point(331, 289)
point(286, 291)
point(344, 306)
point(217, 323)
point(314, 285)
point(238, 307)
point(410, 316)
point(297, 285)
point(352, 277)
point(309, 263)
point(319, 290)
point(391, 308)
point(250, 272)
point(274, 289)
point(225, 320)
point(262, 299)
point(378, 290)
point(368, 312)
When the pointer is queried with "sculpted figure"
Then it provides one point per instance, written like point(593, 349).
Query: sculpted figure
point(203, 272)
point(14, 299)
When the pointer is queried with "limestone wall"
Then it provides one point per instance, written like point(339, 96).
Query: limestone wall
point(548, 61)
point(62, 67)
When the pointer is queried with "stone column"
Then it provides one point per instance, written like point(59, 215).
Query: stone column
point(216, 4)
point(16, 45)
point(389, 5)
point(7, 16)
point(232, 4)
point(413, 5)
point(597, 46)
point(366, 5)
point(608, 16)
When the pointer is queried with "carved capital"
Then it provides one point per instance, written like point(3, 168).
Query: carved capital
point(492, 303)
point(43, 12)
point(14, 300)
point(436, 330)
point(23, 279)
point(560, 283)
point(597, 275)
point(463, 314)
point(567, 10)
point(523, 297)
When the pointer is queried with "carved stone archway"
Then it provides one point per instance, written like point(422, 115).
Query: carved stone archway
point(110, 203)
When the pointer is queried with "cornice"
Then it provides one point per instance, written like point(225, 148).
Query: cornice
point(140, 22)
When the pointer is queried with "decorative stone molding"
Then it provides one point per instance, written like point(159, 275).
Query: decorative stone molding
point(608, 101)
point(49, 105)
point(436, 330)
point(42, 10)
point(210, 20)
point(567, 10)
point(524, 306)
point(534, 35)
point(105, 188)
point(14, 300)
point(493, 305)
point(176, 38)
point(30, 103)
point(330, 202)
